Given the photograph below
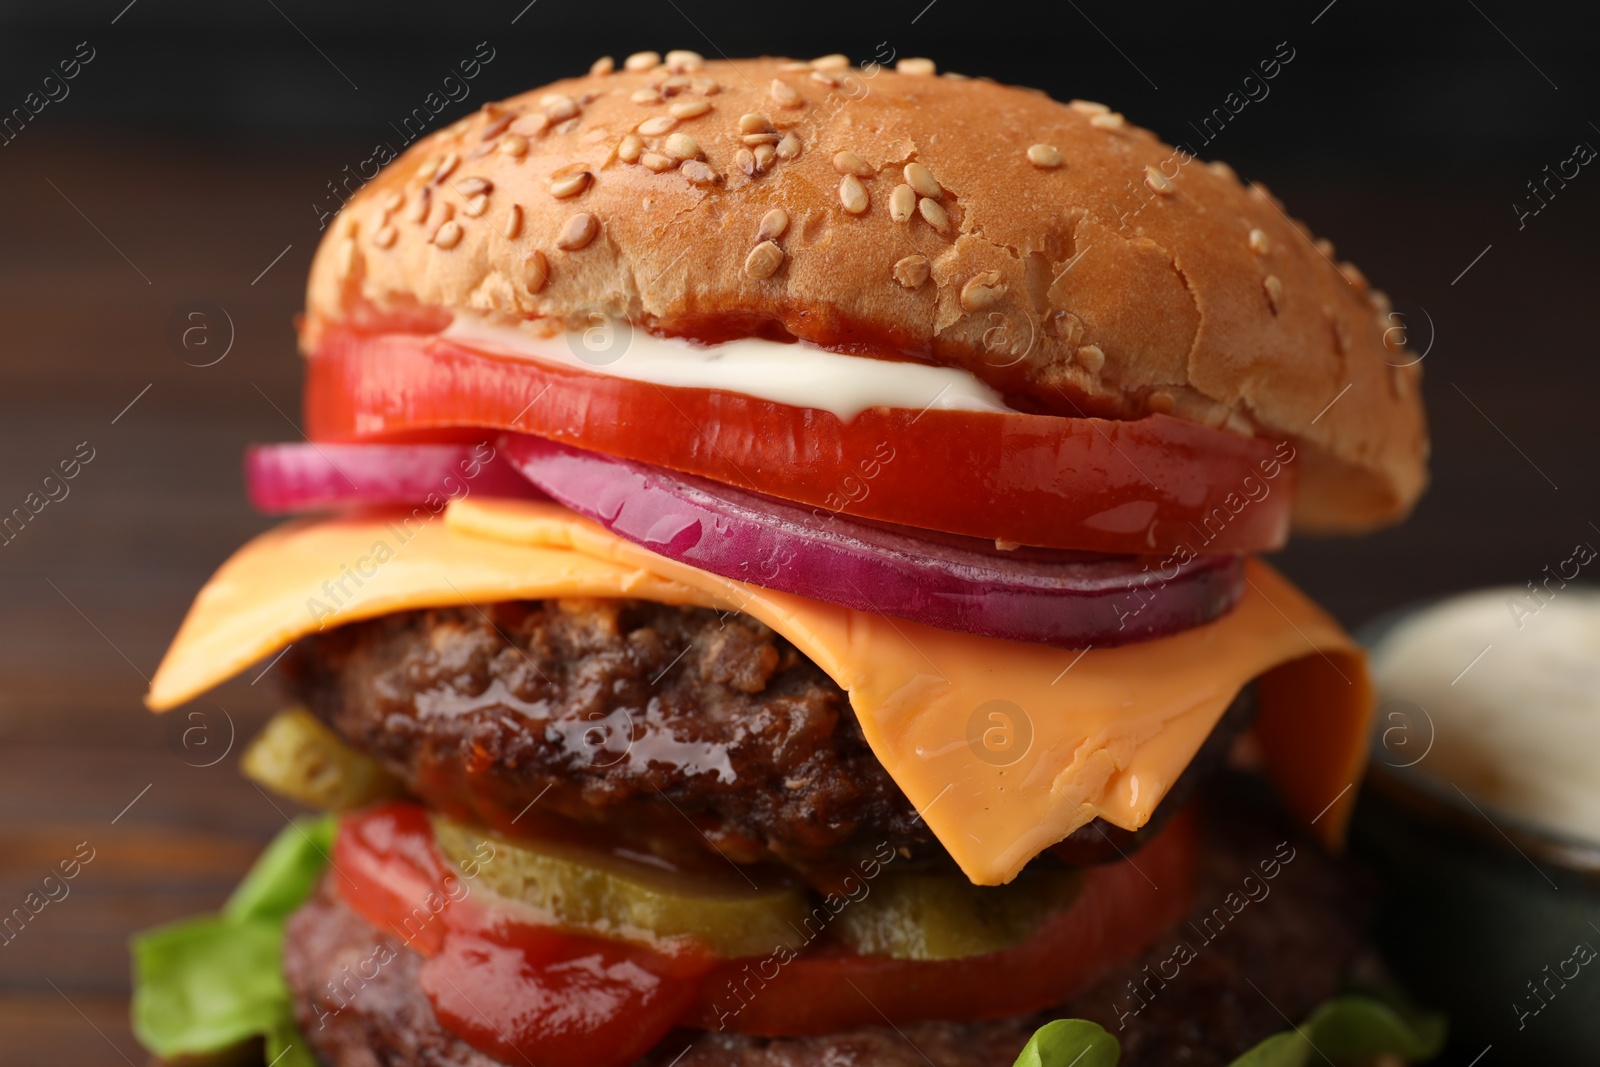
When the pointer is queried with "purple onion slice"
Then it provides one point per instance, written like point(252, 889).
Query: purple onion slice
point(1040, 596)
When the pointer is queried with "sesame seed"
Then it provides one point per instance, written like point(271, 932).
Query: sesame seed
point(1161, 402)
point(385, 237)
point(754, 139)
point(566, 185)
point(982, 291)
point(1222, 170)
point(391, 202)
point(847, 162)
point(765, 154)
point(794, 65)
point(473, 186)
point(448, 235)
point(1259, 243)
point(1067, 326)
point(689, 109)
point(497, 125)
point(642, 61)
point(476, 206)
point(699, 172)
point(921, 180)
point(1380, 302)
point(912, 271)
point(1274, 289)
point(561, 108)
point(657, 162)
point(681, 146)
point(1353, 275)
point(934, 215)
point(745, 160)
point(657, 126)
point(630, 148)
point(1341, 337)
point(1325, 246)
point(1044, 156)
point(515, 145)
point(531, 124)
point(708, 86)
point(788, 148)
point(1157, 181)
point(446, 166)
point(915, 65)
point(902, 203)
point(823, 79)
point(673, 85)
point(602, 66)
point(784, 94)
point(418, 211)
point(514, 221)
point(773, 223)
point(429, 168)
point(1091, 358)
point(1113, 121)
point(347, 256)
point(852, 194)
point(1089, 107)
point(754, 122)
point(535, 271)
point(832, 61)
point(645, 96)
point(578, 231)
point(681, 60)
point(763, 261)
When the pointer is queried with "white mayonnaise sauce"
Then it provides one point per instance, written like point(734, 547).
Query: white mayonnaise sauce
point(1513, 696)
point(796, 374)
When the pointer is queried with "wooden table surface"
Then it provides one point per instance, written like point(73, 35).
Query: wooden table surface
point(109, 237)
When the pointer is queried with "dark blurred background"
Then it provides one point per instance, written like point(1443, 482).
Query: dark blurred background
point(185, 161)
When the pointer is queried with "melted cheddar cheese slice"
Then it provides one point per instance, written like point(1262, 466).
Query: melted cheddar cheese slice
point(1004, 748)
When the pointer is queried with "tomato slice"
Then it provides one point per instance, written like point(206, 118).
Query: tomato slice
point(1152, 486)
point(1122, 909)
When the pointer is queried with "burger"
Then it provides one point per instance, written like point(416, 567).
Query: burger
point(776, 582)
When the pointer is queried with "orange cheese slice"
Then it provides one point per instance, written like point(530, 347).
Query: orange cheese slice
point(1004, 748)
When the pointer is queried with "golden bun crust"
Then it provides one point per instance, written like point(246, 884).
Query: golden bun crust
point(1067, 257)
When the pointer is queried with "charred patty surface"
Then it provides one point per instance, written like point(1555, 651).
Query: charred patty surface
point(680, 724)
point(1291, 939)
point(675, 727)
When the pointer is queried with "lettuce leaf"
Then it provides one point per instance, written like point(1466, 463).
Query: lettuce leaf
point(1070, 1043)
point(1346, 1031)
point(1350, 1029)
point(208, 983)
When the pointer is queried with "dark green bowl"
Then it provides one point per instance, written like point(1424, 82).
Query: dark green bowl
point(1483, 914)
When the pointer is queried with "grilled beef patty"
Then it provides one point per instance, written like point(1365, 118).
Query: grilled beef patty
point(675, 727)
point(1199, 997)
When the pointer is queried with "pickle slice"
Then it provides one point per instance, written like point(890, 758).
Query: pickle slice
point(601, 893)
point(945, 917)
point(299, 757)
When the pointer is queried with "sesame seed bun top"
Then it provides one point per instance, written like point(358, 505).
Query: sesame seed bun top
point(1065, 256)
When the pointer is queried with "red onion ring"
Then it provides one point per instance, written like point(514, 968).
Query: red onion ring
point(1040, 596)
point(284, 478)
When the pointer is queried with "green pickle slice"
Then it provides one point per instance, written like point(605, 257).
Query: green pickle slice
point(945, 917)
point(600, 893)
point(299, 757)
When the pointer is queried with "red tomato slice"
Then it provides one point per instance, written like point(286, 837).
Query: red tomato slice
point(1148, 487)
point(1122, 909)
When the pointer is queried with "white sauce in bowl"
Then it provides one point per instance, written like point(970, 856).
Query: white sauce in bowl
point(1514, 709)
point(799, 375)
